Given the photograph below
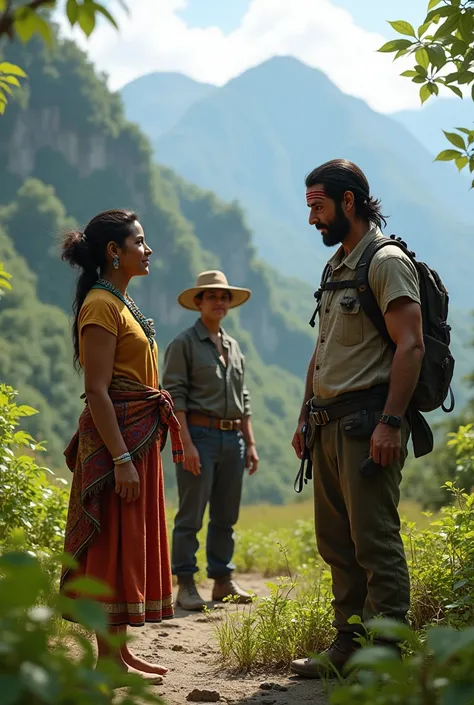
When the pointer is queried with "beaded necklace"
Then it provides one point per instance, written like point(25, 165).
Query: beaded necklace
point(146, 324)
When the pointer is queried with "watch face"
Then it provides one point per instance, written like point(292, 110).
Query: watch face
point(395, 421)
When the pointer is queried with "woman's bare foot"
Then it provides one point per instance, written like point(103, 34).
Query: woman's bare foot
point(138, 664)
point(152, 678)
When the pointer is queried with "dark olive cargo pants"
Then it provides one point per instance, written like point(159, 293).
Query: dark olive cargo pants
point(358, 527)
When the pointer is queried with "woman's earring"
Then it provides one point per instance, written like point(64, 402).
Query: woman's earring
point(115, 262)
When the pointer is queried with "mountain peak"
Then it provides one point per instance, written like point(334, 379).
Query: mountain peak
point(282, 69)
point(173, 79)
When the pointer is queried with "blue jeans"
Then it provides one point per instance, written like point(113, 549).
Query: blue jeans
point(222, 455)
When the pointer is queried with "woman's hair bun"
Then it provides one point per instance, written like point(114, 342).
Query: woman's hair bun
point(75, 250)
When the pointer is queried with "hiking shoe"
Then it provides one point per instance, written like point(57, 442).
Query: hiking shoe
point(332, 659)
point(226, 587)
point(188, 596)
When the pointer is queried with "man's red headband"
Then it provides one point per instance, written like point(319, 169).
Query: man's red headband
point(314, 193)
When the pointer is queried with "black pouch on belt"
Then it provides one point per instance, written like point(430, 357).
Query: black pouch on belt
point(360, 424)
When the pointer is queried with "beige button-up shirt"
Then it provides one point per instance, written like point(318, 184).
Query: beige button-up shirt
point(198, 380)
point(350, 354)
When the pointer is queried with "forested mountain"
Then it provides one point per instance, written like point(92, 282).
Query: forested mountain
point(35, 354)
point(66, 152)
point(255, 138)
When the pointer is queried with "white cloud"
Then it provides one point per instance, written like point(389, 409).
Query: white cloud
point(155, 38)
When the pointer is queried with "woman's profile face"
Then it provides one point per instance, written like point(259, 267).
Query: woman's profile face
point(134, 256)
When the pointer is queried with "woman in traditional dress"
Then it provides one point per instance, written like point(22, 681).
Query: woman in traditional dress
point(116, 527)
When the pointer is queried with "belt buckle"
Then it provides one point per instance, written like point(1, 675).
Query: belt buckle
point(226, 425)
point(322, 417)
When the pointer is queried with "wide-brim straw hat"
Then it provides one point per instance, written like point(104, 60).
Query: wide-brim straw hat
point(213, 279)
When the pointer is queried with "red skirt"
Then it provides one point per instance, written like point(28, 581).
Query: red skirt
point(131, 552)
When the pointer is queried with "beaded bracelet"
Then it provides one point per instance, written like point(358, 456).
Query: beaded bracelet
point(122, 459)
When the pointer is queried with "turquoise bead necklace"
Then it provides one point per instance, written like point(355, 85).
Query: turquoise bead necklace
point(146, 324)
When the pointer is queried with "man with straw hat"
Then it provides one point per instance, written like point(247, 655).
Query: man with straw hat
point(204, 373)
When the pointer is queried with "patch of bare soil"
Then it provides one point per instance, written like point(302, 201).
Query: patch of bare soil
point(186, 645)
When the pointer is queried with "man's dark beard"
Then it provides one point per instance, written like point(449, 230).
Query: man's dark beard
point(338, 230)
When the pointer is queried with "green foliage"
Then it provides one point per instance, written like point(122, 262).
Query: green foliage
point(37, 204)
point(437, 672)
point(4, 279)
point(463, 443)
point(443, 50)
point(441, 559)
point(271, 552)
point(36, 352)
point(27, 20)
point(30, 503)
point(9, 79)
point(441, 563)
point(292, 621)
point(96, 161)
point(31, 671)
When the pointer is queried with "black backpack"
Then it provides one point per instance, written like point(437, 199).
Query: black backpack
point(434, 382)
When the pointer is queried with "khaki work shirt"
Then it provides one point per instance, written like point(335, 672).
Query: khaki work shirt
point(197, 379)
point(351, 355)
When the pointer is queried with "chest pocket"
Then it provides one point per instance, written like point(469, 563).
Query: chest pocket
point(349, 327)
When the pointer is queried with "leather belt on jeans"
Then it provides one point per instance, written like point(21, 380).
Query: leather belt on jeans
point(196, 419)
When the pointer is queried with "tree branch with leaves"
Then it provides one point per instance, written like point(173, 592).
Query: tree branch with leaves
point(443, 50)
point(29, 19)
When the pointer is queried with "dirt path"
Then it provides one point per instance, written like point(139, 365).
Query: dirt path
point(186, 645)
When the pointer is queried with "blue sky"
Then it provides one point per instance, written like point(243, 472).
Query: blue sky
point(370, 14)
point(215, 40)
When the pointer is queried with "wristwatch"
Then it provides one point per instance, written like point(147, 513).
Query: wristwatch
point(394, 421)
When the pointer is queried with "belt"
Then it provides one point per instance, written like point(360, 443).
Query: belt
point(196, 419)
point(323, 411)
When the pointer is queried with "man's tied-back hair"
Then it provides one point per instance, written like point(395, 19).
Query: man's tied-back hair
point(341, 175)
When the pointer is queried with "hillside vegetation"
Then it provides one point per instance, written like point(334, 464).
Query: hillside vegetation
point(66, 152)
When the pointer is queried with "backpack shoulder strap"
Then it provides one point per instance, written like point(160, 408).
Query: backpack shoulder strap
point(319, 293)
point(366, 296)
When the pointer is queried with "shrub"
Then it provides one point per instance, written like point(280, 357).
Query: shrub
point(294, 620)
point(437, 672)
point(36, 667)
point(29, 501)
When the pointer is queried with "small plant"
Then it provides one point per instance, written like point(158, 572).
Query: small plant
point(438, 671)
point(29, 501)
point(36, 666)
point(294, 620)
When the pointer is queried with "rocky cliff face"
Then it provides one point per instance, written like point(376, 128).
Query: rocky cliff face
point(34, 131)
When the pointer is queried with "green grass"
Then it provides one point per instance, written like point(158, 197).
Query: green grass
point(295, 619)
point(279, 540)
point(267, 517)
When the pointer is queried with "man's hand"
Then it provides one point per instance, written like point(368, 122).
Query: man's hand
point(385, 444)
point(192, 462)
point(297, 441)
point(251, 459)
point(127, 482)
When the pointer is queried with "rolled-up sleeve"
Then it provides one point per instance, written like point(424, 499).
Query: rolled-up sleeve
point(246, 394)
point(247, 406)
point(176, 374)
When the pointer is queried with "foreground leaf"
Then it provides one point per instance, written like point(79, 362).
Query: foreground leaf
point(403, 27)
point(448, 155)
